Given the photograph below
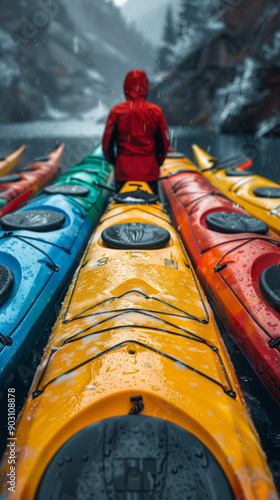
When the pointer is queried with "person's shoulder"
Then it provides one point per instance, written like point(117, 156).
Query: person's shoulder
point(153, 107)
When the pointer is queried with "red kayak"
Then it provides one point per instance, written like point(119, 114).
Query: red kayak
point(238, 262)
point(16, 188)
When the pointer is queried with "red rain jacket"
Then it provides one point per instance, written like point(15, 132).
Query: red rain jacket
point(136, 138)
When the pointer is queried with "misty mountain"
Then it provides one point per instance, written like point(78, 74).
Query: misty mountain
point(219, 62)
point(62, 59)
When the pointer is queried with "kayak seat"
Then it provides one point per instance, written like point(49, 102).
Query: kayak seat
point(238, 173)
point(137, 457)
point(137, 197)
point(234, 222)
point(33, 220)
point(6, 283)
point(67, 189)
point(267, 192)
point(135, 235)
point(270, 285)
point(10, 178)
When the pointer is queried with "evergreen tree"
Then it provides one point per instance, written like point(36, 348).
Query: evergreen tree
point(169, 33)
point(169, 38)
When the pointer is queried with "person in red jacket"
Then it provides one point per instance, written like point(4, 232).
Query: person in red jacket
point(136, 138)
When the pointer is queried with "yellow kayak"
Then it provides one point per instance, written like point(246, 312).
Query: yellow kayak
point(176, 163)
point(259, 196)
point(135, 396)
point(7, 163)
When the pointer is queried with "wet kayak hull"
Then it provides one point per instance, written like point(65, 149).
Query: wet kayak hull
point(11, 160)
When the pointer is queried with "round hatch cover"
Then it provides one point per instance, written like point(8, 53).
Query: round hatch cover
point(33, 220)
point(267, 192)
point(10, 178)
point(234, 222)
point(135, 235)
point(240, 173)
point(137, 197)
point(6, 282)
point(139, 458)
point(70, 189)
point(270, 285)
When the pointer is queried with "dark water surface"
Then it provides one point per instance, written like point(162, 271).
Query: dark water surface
point(265, 153)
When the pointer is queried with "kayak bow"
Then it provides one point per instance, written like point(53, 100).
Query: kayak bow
point(40, 247)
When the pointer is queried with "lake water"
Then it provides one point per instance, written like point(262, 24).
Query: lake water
point(80, 139)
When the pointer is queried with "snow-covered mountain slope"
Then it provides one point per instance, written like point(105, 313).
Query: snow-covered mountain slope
point(62, 59)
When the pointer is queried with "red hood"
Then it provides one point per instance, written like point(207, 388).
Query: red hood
point(136, 85)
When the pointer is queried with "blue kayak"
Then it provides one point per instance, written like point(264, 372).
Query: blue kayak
point(40, 248)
